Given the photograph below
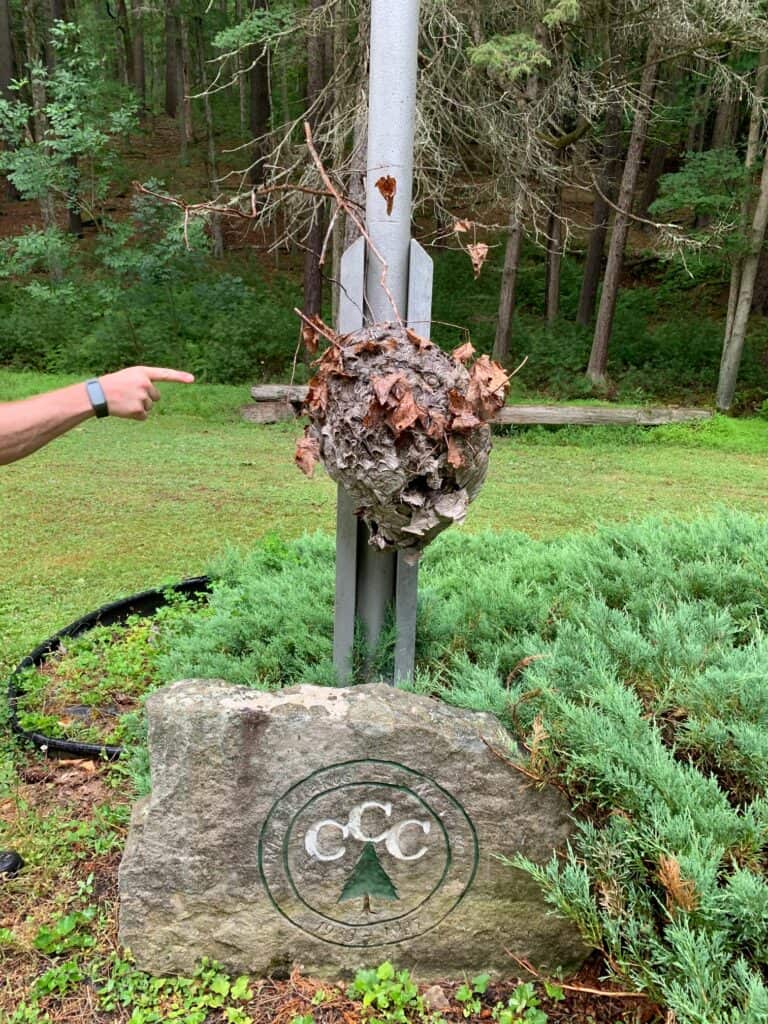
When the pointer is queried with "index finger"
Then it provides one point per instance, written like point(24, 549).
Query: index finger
point(163, 373)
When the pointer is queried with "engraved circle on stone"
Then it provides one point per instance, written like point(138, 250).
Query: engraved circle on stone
point(341, 790)
point(459, 853)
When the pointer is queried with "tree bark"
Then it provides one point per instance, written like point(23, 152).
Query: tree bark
point(259, 106)
point(598, 358)
point(185, 78)
point(653, 173)
point(501, 342)
point(139, 55)
point(172, 58)
point(744, 273)
point(601, 216)
point(725, 119)
point(7, 72)
point(216, 231)
point(732, 352)
point(242, 92)
point(554, 259)
point(313, 271)
point(124, 33)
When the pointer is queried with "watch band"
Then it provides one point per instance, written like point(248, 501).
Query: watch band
point(97, 397)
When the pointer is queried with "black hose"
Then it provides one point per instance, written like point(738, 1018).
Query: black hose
point(145, 603)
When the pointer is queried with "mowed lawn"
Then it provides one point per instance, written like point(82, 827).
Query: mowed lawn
point(117, 506)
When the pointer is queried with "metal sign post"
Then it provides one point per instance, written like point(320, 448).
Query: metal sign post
point(370, 582)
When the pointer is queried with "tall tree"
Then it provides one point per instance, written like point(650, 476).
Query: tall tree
point(313, 271)
point(172, 58)
point(745, 268)
point(501, 344)
point(601, 213)
point(7, 70)
point(138, 52)
point(598, 358)
point(259, 103)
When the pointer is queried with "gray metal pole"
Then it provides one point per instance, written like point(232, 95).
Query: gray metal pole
point(392, 108)
point(368, 582)
point(391, 113)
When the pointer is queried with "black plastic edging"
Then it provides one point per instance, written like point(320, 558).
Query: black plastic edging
point(145, 603)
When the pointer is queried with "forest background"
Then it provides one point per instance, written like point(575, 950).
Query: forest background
point(609, 153)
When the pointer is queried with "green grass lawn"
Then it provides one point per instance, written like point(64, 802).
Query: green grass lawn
point(116, 506)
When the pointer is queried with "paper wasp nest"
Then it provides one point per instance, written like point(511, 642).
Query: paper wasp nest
point(402, 426)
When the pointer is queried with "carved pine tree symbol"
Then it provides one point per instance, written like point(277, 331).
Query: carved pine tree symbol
point(368, 879)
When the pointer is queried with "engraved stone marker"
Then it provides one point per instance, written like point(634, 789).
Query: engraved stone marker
point(335, 828)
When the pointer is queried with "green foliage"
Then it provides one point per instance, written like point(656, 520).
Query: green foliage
point(90, 684)
point(150, 1000)
point(523, 1006)
point(562, 12)
point(259, 26)
point(510, 57)
point(387, 996)
point(709, 186)
point(73, 158)
point(67, 933)
point(468, 994)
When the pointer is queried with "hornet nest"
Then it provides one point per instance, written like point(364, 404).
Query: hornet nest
point(402, 426)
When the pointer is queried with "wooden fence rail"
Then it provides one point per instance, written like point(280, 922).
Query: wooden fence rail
point(273, 403)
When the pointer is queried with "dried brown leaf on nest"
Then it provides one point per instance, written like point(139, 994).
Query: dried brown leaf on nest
point(417, 340)
point(460, 226)
point(307, 454)
point(310, 335)
point(488, 387)
point(464, 352)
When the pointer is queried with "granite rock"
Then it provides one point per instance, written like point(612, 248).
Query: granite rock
point(336, 828)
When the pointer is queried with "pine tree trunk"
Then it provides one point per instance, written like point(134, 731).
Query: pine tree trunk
point(216, 231)
point(242, 92)
point(725, 121)
point(732, 353)
point(124, 32)
point(554, 260)
point(172, 58)
point(653, 173)
point(260, 107)
point(501, 343)
point(313, 273)
point(744, 273)
point(598, 358)
point(601, 216)
point(139, 56)
point(185, 80)
point(7, 73)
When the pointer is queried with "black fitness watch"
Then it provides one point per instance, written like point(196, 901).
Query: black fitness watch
point(97, 397)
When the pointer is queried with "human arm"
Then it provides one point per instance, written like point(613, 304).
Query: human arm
point(29, 424)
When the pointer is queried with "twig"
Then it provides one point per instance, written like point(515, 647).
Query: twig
point(359, 224)
point(318, 325)
point(607, 993)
